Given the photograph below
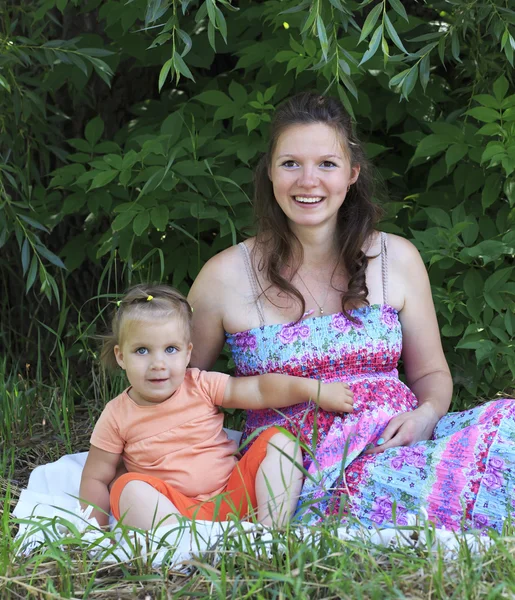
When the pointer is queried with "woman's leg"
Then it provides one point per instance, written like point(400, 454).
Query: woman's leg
point(279, 481)
point(142, 506)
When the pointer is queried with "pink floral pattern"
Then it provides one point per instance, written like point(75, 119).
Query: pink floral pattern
point(464, 476)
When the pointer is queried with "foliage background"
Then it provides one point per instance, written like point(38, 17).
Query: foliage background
point(129, 130)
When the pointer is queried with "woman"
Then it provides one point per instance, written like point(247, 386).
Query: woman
point(320, 293)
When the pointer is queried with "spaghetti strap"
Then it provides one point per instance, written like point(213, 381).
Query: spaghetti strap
point(384, 265)
point(254, 285)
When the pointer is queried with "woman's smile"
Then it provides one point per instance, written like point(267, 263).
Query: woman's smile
point(310, 181)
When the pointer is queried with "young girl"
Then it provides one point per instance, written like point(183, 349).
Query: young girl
point(168, 429)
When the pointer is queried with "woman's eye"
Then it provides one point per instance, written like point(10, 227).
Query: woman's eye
point(289, 164)
point(328, 164)
point(171, 350)
point(141, 351)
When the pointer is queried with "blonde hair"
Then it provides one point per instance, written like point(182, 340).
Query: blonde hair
point(142, 302)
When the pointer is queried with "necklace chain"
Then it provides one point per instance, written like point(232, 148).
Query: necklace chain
point(320, 306)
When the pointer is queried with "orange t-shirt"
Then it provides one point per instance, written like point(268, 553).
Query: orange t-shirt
point(180, 440)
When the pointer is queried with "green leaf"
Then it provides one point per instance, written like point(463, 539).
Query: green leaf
point(103, 178)
point(399, 78)
point(31, 277)
point(501, 86)
point(452, 330)
point(425, 71)
point(122, 220)
point(487, 100)
point(473, 283)
point(439, 216)
point(437, 172)
point(492, 149)
point(455, 46)
point(159, 216)
point(409, 82)
point(5, 84)
point(322, 36)
point(213, 98)
point(33, 223)
point(114, 160)
point(485, 114)
point(431, 145)
point(491, 190)
point(370, 22)
point(455, 153)
point(373, 46)
point(399, 9)
point(182, 67)
point(50, 256)
point(163, 74)
point(498, 279)
point(94, 130)
point(141, 223)
point(394, 35)
point(25, 255)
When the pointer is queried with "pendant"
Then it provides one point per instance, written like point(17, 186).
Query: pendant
point(321, 310)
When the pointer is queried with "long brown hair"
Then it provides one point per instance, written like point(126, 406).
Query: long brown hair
point(278, 245)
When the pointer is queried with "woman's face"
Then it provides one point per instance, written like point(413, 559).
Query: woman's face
point(310, 173)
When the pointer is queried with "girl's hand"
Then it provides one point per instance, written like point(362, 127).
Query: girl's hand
point(408, 429)
point(335, 397)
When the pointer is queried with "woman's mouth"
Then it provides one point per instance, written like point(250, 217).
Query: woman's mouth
point(158, 380)
point(308, 199)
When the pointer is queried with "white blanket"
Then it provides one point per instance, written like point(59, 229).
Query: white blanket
point(53, 489)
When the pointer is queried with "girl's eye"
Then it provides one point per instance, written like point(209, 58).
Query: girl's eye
point(328, 164)
point(171, 350)
point(289, 164)
point(141, 351)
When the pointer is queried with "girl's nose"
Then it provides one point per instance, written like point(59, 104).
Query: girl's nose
point(158, 362)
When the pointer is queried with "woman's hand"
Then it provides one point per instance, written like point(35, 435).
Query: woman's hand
point(335, 397)
point(408, 429)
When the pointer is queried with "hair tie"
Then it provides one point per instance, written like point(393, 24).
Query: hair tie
point(150, 298)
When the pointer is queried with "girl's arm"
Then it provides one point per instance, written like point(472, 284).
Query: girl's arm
point(99, 471)
point(277, 391)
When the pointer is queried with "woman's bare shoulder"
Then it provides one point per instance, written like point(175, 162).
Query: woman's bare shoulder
point(402, 252)
point(226, 267)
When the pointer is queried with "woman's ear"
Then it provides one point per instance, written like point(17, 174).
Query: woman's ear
point(354, 174)
point(119, 356)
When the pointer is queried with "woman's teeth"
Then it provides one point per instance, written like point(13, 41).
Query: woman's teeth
point(305, 200)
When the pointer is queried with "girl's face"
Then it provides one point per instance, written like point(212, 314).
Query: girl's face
point(154, 355)
point(310, 173)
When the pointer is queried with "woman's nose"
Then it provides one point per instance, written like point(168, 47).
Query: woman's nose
point(308, 177)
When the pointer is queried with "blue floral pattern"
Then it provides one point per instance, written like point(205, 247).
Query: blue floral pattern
point(463, 477)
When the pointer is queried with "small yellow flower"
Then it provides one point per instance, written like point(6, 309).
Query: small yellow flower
point(149, 298)
point(286, 25)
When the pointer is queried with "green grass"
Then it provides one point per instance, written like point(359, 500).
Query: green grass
point(39, 423)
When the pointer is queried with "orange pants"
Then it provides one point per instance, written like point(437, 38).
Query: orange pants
point(238, 497)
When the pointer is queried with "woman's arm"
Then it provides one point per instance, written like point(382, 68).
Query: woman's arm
point(207, 298)
point(99, 471)
point(426, 369)
point(274, 390)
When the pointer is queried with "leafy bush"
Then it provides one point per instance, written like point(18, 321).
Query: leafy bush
point(129, 132)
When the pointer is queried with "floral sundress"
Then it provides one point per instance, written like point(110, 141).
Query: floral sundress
point(464, 477)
